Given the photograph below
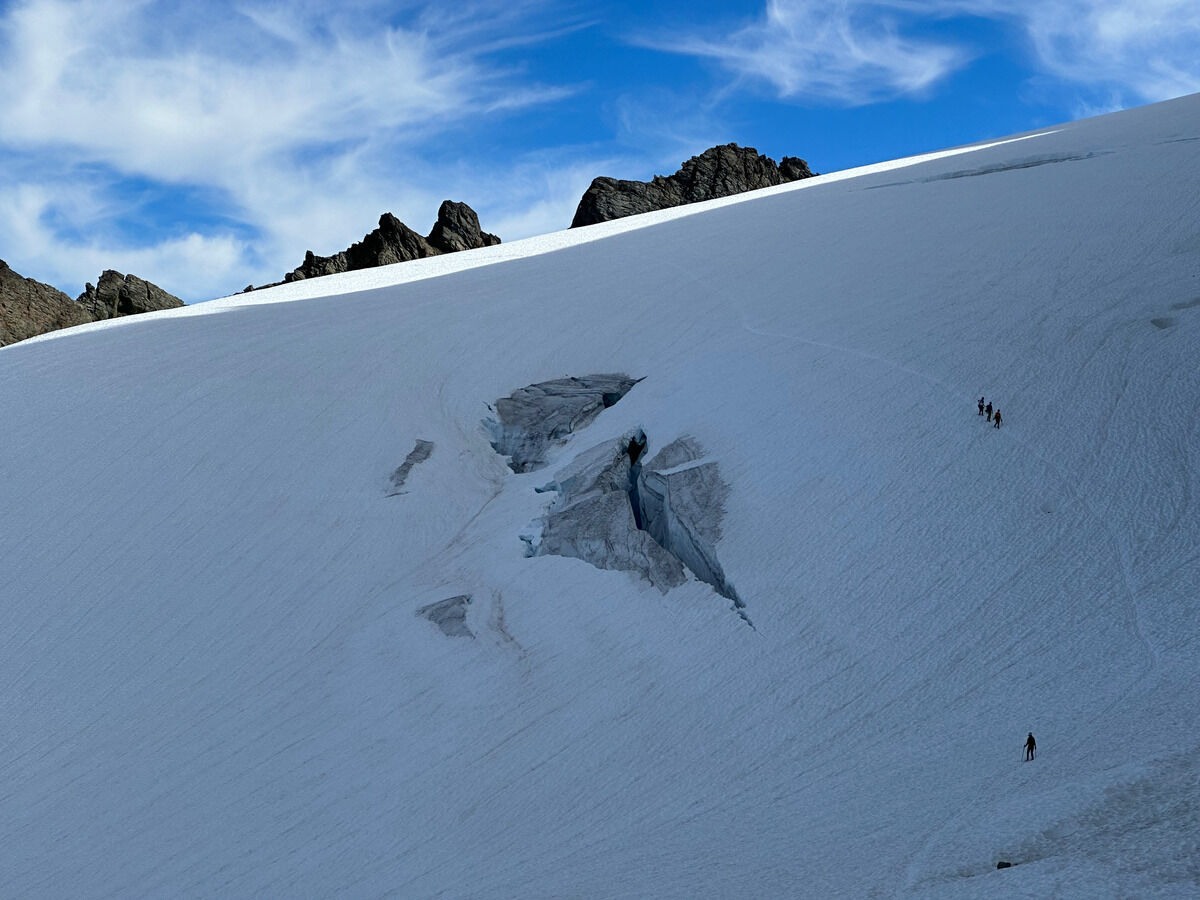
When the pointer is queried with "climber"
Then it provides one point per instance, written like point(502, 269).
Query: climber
point(981, 406)
point(1030, 747)
point(996, 419)
point(988, 410)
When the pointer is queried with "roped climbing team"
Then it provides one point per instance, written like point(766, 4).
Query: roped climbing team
point(993, 415)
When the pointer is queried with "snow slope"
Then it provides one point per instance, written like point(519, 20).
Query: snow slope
point(214, 681)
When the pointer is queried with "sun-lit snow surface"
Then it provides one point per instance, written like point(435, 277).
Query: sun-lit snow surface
point(215, 681)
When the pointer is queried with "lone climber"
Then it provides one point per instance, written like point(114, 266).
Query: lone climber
point(1030, 747)
point(996, 419)
point(981, 406)
point(988, 410)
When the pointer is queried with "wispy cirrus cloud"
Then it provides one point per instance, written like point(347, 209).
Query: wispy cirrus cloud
point(1137, 50)
point(845, 52)
point(301, 116)
point(855, 52)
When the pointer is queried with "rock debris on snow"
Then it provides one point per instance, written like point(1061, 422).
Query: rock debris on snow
point(419, 453)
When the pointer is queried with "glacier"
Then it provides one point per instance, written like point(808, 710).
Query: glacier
point(233, 661)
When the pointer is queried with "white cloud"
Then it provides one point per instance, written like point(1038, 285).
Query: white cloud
point(308, 119)
point(846, 52)
point(1144, 50)
point(861, 51)
point(541, 198)
point(101, 75)
point(204, 264)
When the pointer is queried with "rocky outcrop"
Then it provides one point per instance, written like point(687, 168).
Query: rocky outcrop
point(793, 168)
point(29, 308)
point(391, 242)
point(124, 295)
point(717, 172)
point(457, 228)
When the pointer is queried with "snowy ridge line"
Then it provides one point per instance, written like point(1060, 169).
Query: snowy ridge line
point(451, 263)
point(524, 248)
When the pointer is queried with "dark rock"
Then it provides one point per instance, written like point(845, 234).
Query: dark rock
point(29, 308)
point(124, 295)
point(717, 172)
point(457, 228)
point(1003, 865)
point(793, 168)
point(391, 242)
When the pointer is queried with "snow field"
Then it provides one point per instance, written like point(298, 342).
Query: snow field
point(215, 683)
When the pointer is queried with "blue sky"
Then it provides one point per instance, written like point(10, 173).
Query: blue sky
point(206, 146)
